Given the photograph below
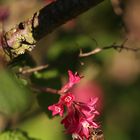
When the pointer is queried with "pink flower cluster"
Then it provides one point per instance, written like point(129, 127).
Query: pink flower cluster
point(80, 118)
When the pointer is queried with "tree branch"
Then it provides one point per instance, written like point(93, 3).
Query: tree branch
point(24, 36)
point(31, 70)
point(45, 89)
point(113, 46)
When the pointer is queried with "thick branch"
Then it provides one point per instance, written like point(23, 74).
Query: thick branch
point(25, 35)
point(58, 13)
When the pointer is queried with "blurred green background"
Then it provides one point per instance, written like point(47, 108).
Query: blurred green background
point(117, 74)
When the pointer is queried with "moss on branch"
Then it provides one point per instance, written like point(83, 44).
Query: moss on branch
point(24, 36)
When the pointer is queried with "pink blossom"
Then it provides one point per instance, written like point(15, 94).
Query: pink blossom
point(56, 109)
point(88, 109)
point(84, 129)
point(73, 79)
point(67, 99)
point(84, 92)
point(71, 121)
point(80, 116)
point(80, 119)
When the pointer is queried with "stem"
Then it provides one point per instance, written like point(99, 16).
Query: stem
point(45, 89)
point(31, 70)
point(113, 46)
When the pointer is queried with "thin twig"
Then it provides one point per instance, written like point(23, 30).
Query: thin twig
point(50, 90)
point(113, 46)
point(45, 89)
point(31, 70)
point(97, 50)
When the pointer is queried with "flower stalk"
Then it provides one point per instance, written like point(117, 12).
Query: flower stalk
point(80, 117)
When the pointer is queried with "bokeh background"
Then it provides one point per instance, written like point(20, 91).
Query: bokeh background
point(113, 76)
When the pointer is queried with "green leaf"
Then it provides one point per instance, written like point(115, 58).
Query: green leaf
point(15, 135)
point(14, 97)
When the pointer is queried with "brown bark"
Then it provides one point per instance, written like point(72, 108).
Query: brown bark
point(24, 36)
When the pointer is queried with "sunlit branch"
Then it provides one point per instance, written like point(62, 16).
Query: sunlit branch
point(113, 46)
point(24, 36)
point(31, 70)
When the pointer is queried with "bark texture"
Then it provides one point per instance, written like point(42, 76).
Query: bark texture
point(24, 36)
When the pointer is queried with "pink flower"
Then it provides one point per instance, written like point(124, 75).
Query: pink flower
point(88, 109)
point(80, 119)
point(84, 129)
point(67, 99)
point(84, 92)
point(73, 79)
point(56, 109)
point(71, 121)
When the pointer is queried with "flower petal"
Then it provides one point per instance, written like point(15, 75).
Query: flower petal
point(73, 79)
point(56, 109)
